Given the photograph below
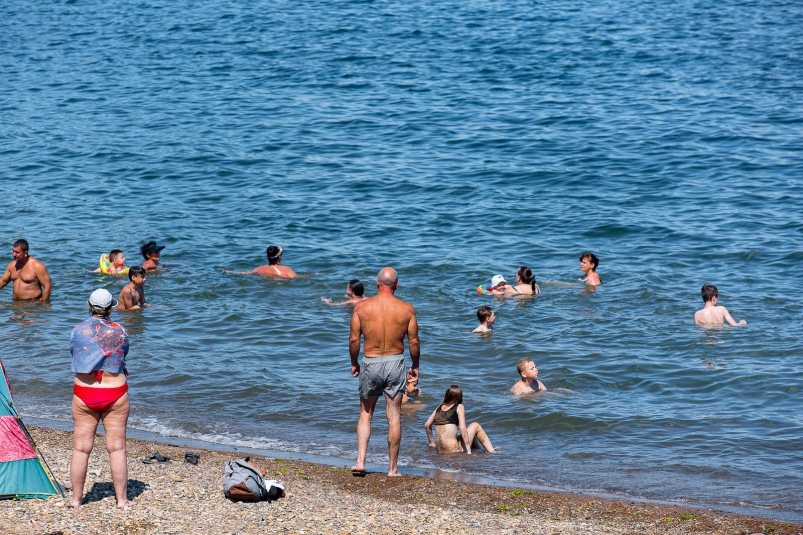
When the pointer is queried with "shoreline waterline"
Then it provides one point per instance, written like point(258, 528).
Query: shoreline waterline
point(429, 473)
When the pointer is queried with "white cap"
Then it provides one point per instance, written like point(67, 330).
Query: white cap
point(497, 279)
point(101, 298)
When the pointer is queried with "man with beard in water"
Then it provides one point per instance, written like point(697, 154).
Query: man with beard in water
point(30, 276)
point(384, 321)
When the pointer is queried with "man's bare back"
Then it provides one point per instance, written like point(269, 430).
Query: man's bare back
point(384, 321)
point(30, 276)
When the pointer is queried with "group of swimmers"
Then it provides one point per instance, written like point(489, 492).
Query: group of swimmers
point(99, 347)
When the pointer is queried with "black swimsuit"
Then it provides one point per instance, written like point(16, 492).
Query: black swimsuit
point(443, 417)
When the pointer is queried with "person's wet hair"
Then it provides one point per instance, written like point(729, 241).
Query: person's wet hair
point(520, 365)
point(133, 271)
point(114, 254)
point(591, 257)
point(356, 287)
point(483, 313)
point(709, 291)
point(274, 253)
point(454, 395)
point(527, 277)
point(22, 244)
point(387, 277)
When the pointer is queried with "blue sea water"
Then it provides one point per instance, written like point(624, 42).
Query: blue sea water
point(453, 141)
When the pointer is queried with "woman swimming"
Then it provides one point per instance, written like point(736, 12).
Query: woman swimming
point(447, 419)
point(588, 265)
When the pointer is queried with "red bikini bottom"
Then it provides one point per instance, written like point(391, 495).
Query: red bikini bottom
point(99, 399)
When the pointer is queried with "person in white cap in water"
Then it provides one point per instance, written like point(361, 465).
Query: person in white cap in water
point(99, 347)
point(499, 286)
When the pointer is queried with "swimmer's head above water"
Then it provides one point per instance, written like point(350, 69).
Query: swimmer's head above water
point(274, 254)
point(355, 288)
point(591, 258)
point(526, 276)
point(709, 292)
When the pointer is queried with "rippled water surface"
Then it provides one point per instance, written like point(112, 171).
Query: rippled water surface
point(451, 140)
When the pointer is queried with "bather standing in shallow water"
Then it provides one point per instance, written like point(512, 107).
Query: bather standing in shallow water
point(447, 419)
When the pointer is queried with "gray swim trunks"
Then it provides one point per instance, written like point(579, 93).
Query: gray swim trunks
point(382, 374)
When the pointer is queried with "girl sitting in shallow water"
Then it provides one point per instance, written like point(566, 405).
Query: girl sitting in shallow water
point(450, 416)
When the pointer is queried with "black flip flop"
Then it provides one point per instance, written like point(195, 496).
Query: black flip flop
point(358, 473)
point(159, 458)
point(192, 458)
point(147, 460)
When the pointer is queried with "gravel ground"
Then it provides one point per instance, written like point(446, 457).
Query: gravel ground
point(179, 498)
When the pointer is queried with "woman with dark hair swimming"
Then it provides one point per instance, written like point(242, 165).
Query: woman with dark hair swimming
point(525, 284)
point(274, 267)
point(354, 291)
point(588, 265)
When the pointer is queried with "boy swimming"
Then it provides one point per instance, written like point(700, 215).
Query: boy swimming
point(487, 318)
point(713, 314)
point(133, 294)
point(529, 382)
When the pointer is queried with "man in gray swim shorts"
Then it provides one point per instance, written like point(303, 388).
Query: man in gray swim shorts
point(380, 375)
point(383, 321)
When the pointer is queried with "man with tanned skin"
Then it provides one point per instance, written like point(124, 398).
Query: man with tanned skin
point(383, 321)
point(30, 276)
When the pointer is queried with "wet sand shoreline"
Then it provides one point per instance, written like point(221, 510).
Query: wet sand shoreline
point(177, 497)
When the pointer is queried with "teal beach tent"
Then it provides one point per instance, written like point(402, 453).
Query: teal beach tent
point(22, 473)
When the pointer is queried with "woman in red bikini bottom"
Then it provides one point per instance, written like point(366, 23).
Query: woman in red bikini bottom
point(99, 347)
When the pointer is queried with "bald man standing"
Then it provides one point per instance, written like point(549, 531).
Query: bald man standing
point(383, 321)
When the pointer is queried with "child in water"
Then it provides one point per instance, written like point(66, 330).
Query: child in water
point(116, 263)
point(713, 314)
point(354, 291)
point(133, 294)
point(411, 390)
point(498, 286)
point(529, 382)
point(487, 318)
point(450, 417)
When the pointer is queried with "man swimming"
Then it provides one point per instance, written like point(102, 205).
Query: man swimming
point(274, 267)
point(383, 321)
point(30, 276)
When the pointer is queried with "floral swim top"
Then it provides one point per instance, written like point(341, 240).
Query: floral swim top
point(98, 344)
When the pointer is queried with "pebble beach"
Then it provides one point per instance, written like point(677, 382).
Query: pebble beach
point(178, 497)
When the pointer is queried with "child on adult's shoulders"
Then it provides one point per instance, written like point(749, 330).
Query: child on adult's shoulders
point(133, 294)
point(487, 318)
point(529, 382)
point(152, 253)
point(712, 314)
